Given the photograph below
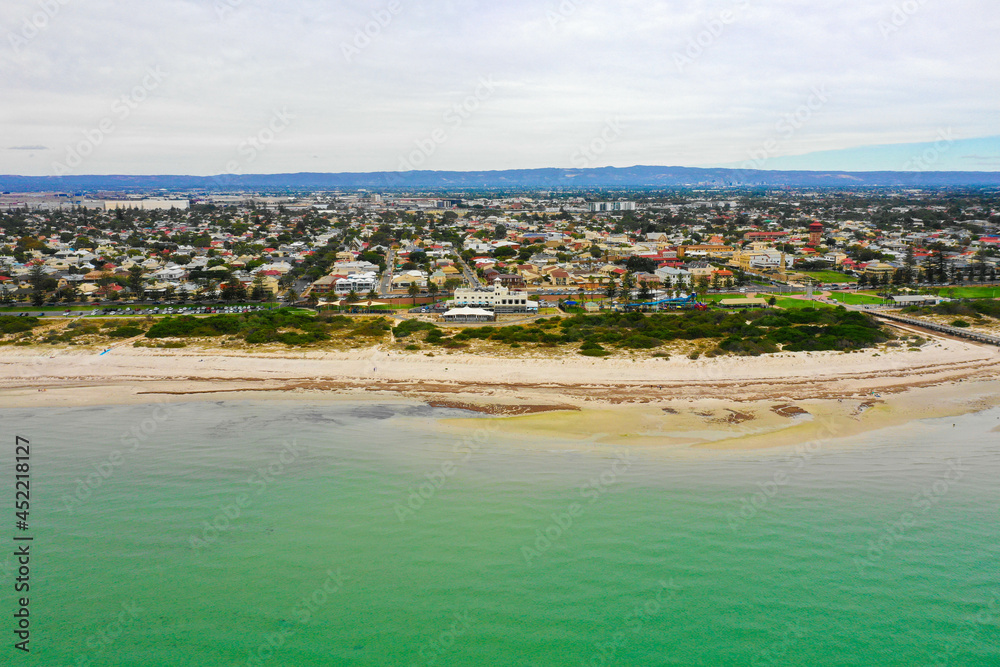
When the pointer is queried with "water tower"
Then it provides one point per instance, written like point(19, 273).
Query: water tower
point(815, 234)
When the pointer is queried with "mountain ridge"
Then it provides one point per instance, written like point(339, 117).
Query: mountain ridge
point(639, 176)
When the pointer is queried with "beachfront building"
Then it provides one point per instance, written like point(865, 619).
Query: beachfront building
point(498, 299)
point(468, 314)
point(359, 283)
point(749, 302)
point(918, 300)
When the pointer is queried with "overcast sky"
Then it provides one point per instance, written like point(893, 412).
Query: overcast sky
point(267, 86)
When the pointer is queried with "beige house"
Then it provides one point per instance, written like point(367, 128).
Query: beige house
point(700, 270)
point(880, 269)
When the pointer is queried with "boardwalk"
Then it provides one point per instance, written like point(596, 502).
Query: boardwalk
point(943, 328)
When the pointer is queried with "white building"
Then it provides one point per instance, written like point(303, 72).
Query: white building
point(498, 298)
point(609, 206)
point(359, 283)
point(676, 276)
point(147, 204)
point(768, 259)
point(171, 272)
point(466, 314)
point(355, 267)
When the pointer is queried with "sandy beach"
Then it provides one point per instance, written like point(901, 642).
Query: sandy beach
point(744, 402)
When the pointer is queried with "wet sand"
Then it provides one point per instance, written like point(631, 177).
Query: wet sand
point(724, 402)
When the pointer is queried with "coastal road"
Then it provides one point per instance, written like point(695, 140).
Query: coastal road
point(385, 283)
point(470, 275)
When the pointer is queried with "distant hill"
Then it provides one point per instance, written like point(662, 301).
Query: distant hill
point(603, 177)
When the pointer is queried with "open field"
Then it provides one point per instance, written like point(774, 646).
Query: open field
point(800, 303)
point(984, 292)
point(857, 298)
point(829, 276)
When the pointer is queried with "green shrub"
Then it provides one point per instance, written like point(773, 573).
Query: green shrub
point(10, 324)
point(124, 332)
point(641, 342)
point(591, 348)
point(408, 327)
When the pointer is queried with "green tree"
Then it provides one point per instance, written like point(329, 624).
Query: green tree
point(628, 282)
point(413, 290)
point(909, 267)
point(135, 281)
point(234, 291)
point(637, 264)
point(36, 276)
point(701, 286)
point(70, 293)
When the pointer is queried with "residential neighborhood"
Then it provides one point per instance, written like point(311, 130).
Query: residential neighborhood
point(513, 253)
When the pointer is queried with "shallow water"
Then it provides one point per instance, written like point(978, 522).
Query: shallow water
point(280, 533)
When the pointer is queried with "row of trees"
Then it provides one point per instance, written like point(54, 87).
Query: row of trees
point(936, 268)
point(44, 289)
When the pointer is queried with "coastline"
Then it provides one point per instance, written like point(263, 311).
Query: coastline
point(720, 403)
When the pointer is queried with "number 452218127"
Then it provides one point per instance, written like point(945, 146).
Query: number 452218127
point(22, 479)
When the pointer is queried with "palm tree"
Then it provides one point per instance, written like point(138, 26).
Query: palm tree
point(628, 282)
point(413, 290)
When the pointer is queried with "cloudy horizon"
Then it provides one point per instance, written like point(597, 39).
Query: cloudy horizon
point(259, 86)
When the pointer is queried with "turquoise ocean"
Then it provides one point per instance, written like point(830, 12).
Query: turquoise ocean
point(372, 534)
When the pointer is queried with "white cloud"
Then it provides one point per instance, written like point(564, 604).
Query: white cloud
point(558, 82)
